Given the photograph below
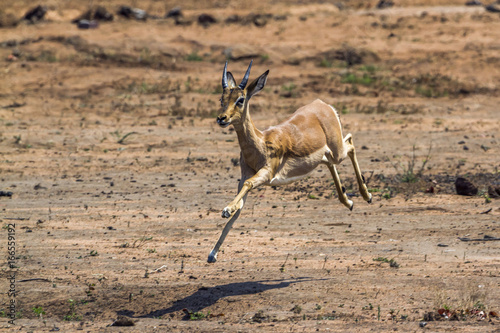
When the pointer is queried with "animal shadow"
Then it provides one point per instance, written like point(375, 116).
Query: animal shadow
point(207, 296)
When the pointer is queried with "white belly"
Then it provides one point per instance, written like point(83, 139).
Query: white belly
point(296, 168)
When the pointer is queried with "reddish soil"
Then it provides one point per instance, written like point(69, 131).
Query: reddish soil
point(118, 171)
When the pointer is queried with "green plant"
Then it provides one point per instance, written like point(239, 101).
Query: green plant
point(325, 63)
point(368, 307)
point(352, 78)
point(391, 262)
point(39, 311)
point(368, 68)
point(198, 315)
point(193, 56)
point(487, 198)
point(72, 316)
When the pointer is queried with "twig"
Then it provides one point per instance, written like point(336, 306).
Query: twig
point(486, 211)
point(485, 238)
point(122, 140)
point(158, 270)
point(35, 279)
point(14, 105)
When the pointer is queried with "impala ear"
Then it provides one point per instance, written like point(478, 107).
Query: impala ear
point(230, 81)
point(257, 85)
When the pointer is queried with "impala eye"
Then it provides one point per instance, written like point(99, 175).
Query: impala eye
point(240, 101)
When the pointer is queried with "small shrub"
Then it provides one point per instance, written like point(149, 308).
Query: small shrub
point(193, 56)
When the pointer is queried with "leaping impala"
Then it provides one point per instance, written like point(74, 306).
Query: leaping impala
point(284, 153)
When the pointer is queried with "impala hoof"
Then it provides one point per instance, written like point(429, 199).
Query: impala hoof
point(212, 257)
point(370, 200)
point(226, 213)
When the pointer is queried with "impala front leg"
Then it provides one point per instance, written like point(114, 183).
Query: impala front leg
point(260, 178)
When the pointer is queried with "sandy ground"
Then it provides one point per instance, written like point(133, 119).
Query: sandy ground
point(118, 171)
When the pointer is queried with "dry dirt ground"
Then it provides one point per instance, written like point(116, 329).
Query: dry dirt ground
point(118, 171)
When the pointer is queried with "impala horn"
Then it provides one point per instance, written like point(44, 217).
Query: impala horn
point(224, 77)
point(243, 83)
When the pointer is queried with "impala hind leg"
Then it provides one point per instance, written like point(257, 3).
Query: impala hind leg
point(351, 152)
point(336, 179)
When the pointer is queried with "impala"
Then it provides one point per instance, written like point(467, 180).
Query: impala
point(284, 153)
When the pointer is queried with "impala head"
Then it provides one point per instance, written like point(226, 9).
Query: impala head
point(235, 98)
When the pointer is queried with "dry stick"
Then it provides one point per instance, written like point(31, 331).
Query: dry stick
point(158, 269)
point(486, 211)
point(35, 279)
point(122, 140)
point(486, 238)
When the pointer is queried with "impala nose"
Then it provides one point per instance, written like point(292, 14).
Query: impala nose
point(221, 120)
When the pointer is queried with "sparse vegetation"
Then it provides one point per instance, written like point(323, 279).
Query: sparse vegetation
point(39, 312)
point(409, 172)
point(72, 315)
point(391, 262)
point(193, 56)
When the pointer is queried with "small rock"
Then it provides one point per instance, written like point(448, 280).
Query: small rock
point(465, 147)
point(385, 4)
point(206, 20)
point(102, 14)
point(175, 12)
point(123, 321)
point(86, 24)
point(473, 3)
point(35, 14)
point(465, 187)
point(493, 8)
point(494, 192)
point(129, 12)
point(6, 194)
point(422, 324)
point(260, 20)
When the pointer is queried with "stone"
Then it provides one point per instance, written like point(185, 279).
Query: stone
point(385, 4)
point(494, 191)
point(206, 20)
point(35, 14)
point(465, 187)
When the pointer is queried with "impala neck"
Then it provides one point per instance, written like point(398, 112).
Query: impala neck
point(249, 136)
